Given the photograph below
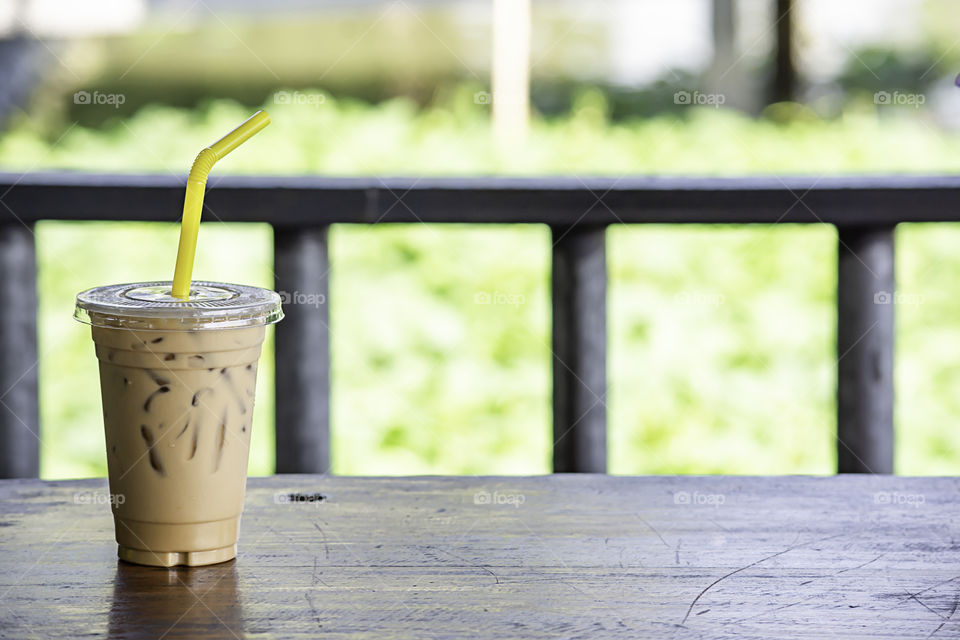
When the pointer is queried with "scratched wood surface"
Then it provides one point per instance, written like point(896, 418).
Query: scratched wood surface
point(578, 556)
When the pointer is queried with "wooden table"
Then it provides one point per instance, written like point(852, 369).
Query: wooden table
point(566, 556)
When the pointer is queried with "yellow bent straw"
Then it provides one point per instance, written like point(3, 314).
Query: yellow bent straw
point(193, 201)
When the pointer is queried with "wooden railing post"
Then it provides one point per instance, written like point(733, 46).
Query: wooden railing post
point(865, 339)
point(579, 350)
point(19, 413)
point(301, 264)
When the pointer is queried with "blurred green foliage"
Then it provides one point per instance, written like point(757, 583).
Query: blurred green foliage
point(721, 338)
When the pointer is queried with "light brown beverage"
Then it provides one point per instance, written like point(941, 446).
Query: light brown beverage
point(178, 391)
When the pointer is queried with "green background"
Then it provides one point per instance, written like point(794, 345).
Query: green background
point(721, 338)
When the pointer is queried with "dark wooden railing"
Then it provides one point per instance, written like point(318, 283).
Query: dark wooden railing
point(865, 211)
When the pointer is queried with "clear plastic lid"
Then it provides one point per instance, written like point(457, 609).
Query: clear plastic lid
point(149, 305)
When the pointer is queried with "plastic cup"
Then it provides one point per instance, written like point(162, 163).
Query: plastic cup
point(177, 380)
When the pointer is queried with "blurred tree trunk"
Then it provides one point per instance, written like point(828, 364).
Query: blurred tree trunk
point(784, 83)
point(22, 61)
point(724, 32)
point(726, 75)
point(510, 86)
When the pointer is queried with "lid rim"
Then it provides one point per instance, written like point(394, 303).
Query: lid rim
point(216, 305)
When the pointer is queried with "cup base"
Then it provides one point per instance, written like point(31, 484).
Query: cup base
point(168, 544)
point(177, 558)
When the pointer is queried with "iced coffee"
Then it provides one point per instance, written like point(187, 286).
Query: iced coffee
point(178, 379)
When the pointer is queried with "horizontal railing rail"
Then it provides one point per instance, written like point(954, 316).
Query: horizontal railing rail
point(310, 200)
point(865, 210)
